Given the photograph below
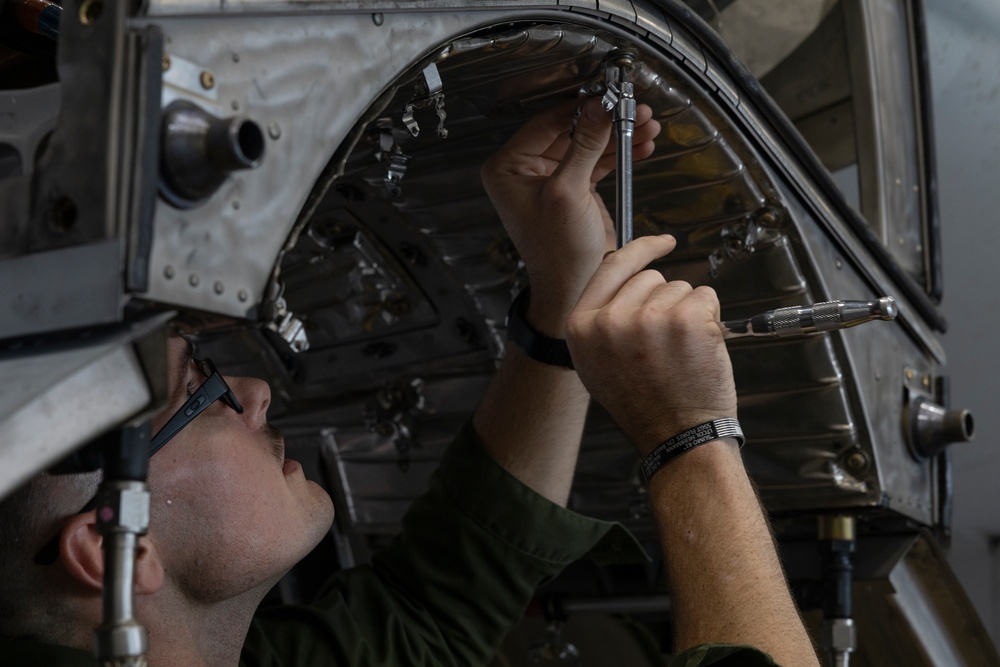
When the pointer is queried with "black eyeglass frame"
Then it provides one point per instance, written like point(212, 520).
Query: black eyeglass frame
point(213, 389)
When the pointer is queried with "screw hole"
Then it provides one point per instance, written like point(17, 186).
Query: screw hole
point(64, 214)
point(90, 11)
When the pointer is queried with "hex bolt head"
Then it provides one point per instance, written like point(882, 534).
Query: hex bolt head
point(207, 80)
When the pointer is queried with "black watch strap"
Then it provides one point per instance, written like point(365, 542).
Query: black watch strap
point(538, 346)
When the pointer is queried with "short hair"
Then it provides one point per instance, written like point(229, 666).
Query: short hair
point(29, 517)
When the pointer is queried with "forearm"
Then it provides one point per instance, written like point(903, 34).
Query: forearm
point(542, 183)
point(727, 583)
point(531, 421)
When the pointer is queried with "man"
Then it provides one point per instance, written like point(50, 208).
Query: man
point(230, 515)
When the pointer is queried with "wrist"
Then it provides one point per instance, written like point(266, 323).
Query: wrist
point(673, 448)
point(700, 466)
point(535, 343)
point(549, 308)
point(653, 435)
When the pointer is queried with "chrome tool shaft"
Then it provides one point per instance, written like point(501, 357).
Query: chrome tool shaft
point(619, 99)
point(798, 320)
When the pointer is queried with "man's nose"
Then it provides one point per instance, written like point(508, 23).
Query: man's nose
point(255, 397)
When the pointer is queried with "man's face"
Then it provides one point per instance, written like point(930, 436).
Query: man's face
point(229, 513)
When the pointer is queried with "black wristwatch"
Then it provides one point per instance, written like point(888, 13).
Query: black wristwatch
point(538, 346)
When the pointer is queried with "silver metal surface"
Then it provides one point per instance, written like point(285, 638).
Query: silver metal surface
point(56, 398)
point(892, 173)
point(30, 115)
point(51, 405)
point(60, 289)
point(851, 89)
point(933, 622)
point(281, 76)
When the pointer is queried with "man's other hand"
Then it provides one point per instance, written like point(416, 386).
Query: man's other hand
point(542, 183)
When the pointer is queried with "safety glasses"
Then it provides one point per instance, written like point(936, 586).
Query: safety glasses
point(213, 389)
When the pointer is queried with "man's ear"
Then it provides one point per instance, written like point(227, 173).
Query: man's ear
point(81, 555)
point(80, 550)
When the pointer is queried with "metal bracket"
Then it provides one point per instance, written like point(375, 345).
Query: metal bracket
point(742, 239)
point(431, 96)
point(390, 152)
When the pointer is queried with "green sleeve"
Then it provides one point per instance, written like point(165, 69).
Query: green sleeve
point(722, 655)
point(472, 552)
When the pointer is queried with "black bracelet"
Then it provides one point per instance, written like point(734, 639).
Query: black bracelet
point(688, 440)
point(535, 344)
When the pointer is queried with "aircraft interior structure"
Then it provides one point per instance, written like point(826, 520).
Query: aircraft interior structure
point(297, 184)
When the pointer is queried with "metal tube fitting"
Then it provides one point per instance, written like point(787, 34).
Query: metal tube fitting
point(836, 535)
point(122, 515)
point(933, 427)
point(199, 151)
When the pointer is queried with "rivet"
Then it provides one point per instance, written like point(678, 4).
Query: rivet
point(207, 80)
point(878, 376)
point(218, 287)
point(64, 214)
point(839, 264)
point(274, 130)
point(242, 295)
point(236, 57)
point(193, 279)
point(856, 461)
point(926, 381)
point(909, 375)
point(378, 19)
point(236, 204)
point(168, 272)
point(166, 62)
point(768, 217)
point(90, 11)
point(235, 105)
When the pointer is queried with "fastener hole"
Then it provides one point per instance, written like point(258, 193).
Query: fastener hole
point(64, 214)
point(90, 11)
